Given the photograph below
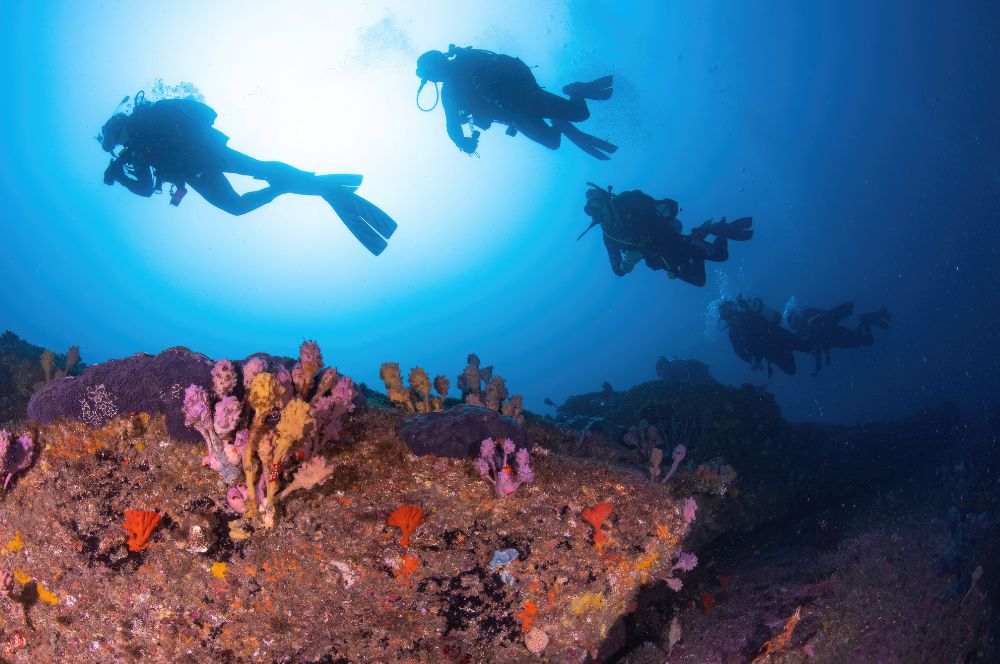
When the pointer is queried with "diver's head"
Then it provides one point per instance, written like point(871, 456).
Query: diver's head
point(111, 133)
point(597, 203)
point(727, 310)
point(432, 66)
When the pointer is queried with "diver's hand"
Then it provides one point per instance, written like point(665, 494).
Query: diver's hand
point(112, 172)
point(469, 144)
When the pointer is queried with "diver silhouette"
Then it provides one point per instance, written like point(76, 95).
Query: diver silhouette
point(174, 141)
point(822, 329)
point(637, 227)
point(757, 336)
point(480, 87)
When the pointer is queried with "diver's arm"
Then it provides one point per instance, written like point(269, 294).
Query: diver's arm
point(140, 185)
point(453, 123)
point(615, 256)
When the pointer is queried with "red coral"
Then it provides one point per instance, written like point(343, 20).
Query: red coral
point(139, 525)
point(406, 518)
point(527, 616)
point(595, 516)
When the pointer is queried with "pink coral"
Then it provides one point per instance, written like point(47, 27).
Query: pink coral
point(227, 415)
point(498, 471)
point(223, 378)
point(251, 369)
point(15, 455)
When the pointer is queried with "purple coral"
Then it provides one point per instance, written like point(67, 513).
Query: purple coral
point(223, 378)
point(15, 455)
point(328, 411)
point(493, 465)
point(679, 453)
point(251, 369)
point(689, 511)
point(198, 415)
point(227, 415)
point(685, 562)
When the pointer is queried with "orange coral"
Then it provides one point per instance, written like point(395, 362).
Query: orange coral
point(780, 642)
point(527, 615)
point(406, 518)
point(408, 565)
point(595, 516)
point(139, 525)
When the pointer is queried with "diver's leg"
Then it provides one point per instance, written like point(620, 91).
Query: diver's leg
point(693, 272)
point(592, 145)
point(554, 107)
point(232, 161)
point(718, 251)
point(217, 190)
point(540, 132)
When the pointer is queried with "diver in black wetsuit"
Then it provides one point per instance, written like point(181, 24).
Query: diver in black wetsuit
point(480, 87)
point(173, 141)
point(638, 227)
point(757, 336)
point(822, 331)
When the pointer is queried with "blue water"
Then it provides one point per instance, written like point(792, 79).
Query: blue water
point(862, 137)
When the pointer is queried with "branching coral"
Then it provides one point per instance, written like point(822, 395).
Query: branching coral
point(15, 455)
point(48, 361)
point(418, 398)
point(295, 419)
point(265, 398)
point(494, 396)
point(217, 430)
point(493, 465)
point(243, 434)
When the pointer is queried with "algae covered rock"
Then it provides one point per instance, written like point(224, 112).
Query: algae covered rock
point(142, 383)
point(458, 432)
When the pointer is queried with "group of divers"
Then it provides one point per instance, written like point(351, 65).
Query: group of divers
point(173, 141)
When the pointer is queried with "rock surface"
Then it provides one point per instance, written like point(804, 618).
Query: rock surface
point(142, 383)
point(457, 432)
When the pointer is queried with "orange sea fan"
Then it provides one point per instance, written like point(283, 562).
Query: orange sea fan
point(139, 525)
point(406, 518)
point(595, 516)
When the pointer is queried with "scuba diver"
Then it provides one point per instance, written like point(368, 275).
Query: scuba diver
point(480, 87)
point(637, 227)
point(822, 331)
point(173, 141)
point(757, 336)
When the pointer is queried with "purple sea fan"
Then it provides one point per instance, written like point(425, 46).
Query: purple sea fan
point(223, 378)
point(493, 465)
point(15, 455)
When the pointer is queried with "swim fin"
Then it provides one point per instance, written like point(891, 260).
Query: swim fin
point(363, 219)
point(592, 145)
point(598, 90)
point(310, 184)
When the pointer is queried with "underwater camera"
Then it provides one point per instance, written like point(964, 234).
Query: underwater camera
point(177, 195)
